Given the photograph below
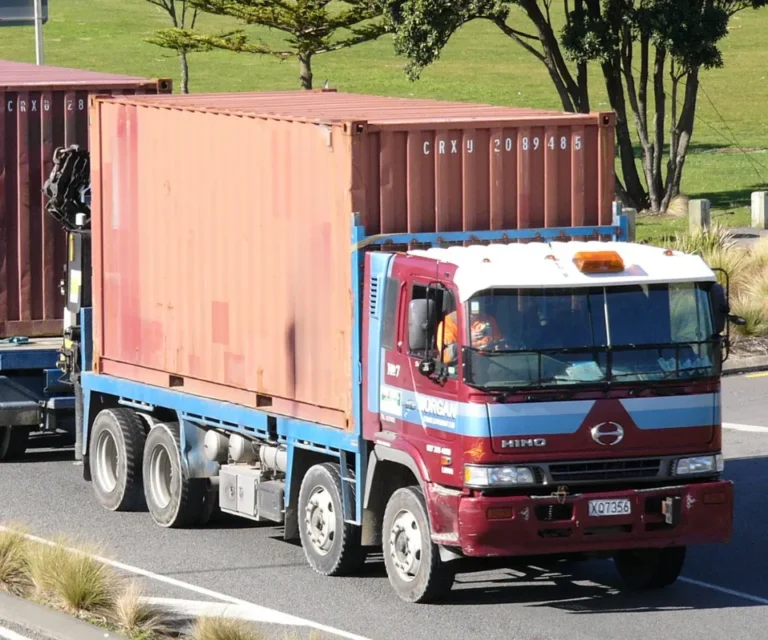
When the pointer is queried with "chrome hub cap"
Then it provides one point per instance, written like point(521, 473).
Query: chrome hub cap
point(106, 462)
point(320, 520)
point(161, 476)
point(405, 545)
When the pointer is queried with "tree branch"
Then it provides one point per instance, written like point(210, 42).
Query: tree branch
point(518, 36)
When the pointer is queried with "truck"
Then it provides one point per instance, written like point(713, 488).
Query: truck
point(380, 323)
point(41, 108)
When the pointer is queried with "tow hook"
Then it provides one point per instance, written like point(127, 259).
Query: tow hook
point(672, 508)
point(561, 494)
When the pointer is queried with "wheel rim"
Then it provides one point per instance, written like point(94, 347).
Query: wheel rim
point(106, 461)
point(161, 476)
point(405, 545)
point(320, 520)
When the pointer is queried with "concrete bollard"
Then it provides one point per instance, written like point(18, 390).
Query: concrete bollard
point(698, 215)
point(631, 216)
point(760, 209)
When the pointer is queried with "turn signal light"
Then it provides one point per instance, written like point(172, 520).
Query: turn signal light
point(499, 513)
point(598, 262)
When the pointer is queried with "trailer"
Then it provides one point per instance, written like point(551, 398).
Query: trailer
point(399, 324)
point(42, 108)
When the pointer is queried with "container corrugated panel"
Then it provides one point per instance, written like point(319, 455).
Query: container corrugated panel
point(222, 256)
point(41, 108)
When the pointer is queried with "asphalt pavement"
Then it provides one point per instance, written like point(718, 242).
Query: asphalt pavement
point(723, 591)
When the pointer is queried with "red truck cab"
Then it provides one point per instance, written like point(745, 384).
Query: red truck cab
point(592, 425)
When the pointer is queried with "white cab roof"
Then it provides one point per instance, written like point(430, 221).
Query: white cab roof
point(481, 267)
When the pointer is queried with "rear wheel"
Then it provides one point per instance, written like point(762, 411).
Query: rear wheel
point(115, 459)
point(13, 442)
point(331, 546)
point(414, 567)
point(173, 499)
point(650, 568)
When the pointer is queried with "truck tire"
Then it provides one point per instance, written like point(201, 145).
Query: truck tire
point(414, 567)
point(115, 459)
point(173, 499)
point(332, 547)
point(13, 443)
point(642, 569)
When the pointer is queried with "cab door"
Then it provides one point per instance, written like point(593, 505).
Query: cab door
point(433, 415)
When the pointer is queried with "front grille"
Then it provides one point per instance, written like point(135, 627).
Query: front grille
point(605, 470)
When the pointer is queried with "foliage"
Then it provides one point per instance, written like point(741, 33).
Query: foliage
point(14, 569)
point(135, 616)
point(223, 629)
point(75, 580)
point(182, 17)
point(747, 269)
point(310, 28)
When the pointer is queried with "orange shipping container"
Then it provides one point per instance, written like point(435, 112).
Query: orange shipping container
point(222, 224)
point(41, 108)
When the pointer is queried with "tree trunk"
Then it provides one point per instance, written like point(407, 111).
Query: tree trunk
point(184, 71)
point(305, 70)
point(684, 133)
point(660, 103)
point(636, 196)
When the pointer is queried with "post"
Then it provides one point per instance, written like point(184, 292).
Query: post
point(39, 31)
point(760, 209)
point(630, 215)
point(698, 215)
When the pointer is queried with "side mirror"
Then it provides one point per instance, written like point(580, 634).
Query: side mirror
point(421, 318)
point(720, 307)
point(737, 320)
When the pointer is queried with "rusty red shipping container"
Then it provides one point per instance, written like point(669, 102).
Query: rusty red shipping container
point(222, 224)
point(41, 108)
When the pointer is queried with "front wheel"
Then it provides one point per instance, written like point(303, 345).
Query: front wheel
point(413, 562)
point(642, 569)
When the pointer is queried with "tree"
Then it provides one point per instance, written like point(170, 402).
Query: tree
point(673, 39)
point(182, 17)
point(310, 26)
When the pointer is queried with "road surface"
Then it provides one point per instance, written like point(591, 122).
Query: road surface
point(723, 593)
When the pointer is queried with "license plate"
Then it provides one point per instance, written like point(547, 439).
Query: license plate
point(610, 507)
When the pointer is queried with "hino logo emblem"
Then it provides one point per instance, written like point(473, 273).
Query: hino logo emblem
point(523, 442)
point(607, 433)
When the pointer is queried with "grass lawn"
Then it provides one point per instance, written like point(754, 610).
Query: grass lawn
point(729, 157)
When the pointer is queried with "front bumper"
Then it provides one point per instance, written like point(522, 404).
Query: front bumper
point(521, 525)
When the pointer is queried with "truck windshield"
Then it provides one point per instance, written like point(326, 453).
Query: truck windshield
point(559, 337)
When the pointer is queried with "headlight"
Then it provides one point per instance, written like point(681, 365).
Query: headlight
point(507, 476)
point(700, 464)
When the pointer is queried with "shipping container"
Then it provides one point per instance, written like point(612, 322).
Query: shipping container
point(222, 224)
point(41, 108)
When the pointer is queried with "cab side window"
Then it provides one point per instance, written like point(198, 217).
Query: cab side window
point(442, 304)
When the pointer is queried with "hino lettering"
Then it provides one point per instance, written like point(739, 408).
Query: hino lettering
point(526, 442)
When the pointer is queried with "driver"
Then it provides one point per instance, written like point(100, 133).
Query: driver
point(483, 332)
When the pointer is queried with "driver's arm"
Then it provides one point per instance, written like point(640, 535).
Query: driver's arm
point(447, 335)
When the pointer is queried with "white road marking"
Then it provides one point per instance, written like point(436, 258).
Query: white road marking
point(11, 635)
point(276, 617)
point(744, 427)
point(252, 613)
point(730, 592)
